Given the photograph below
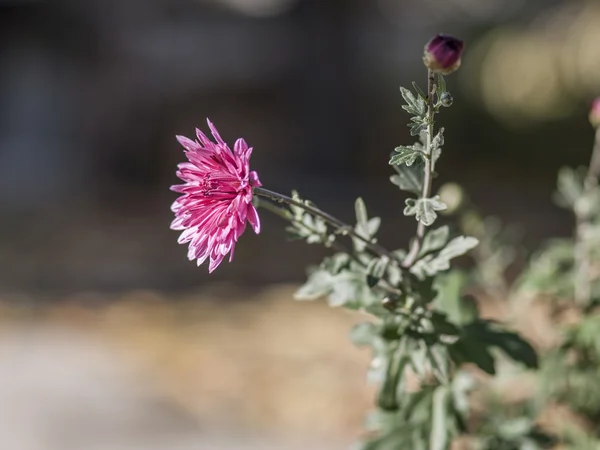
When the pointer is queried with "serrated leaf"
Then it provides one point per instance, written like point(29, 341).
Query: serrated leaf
point(409, 178)
point(415, 105)
point(432, 264)
point(434, 240)
point(424, 209)
point(406, 155)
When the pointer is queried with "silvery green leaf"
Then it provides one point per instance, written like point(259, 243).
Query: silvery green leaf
point(436, 145)
point(364, 333)
point(417, 126)
point(365, 227)
point(440, 85)
point(419, 91)
point(376, 270)
point(424, 209)
point(409, 178)
point(434, 263)
point(350, 289)
point(434, 240)
point(361, 212)
point(414, 105)
point(406, 155)
point(459, 309)
point(394, 273)
point(319, 284)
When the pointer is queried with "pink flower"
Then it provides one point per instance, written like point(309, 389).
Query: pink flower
point(595, 113)
point(443, 54)
point(216, 200)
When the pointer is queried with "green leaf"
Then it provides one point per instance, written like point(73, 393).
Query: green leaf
point(436, 145)
point(319, 284)
point(365, 227)
point(406, 155)
point(350, 289)
point(509, 342)
point(466, 350)
point(434, 263)
point(487, 334)
point(439, 438)
point(424, 209)
point(460, 310)
point(417, 126)
point(409, 178)
point(364, 333)
point(419, 91)
point(376, 270)
point(434, 240)
point(361, 212)
point(414, 105)
point(440, 85)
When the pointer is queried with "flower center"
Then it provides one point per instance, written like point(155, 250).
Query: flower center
point(207, 185)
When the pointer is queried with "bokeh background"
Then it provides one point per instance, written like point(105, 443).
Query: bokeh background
point(111, 339)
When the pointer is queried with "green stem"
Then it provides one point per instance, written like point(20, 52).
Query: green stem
point(342, 228)
point(427, 182)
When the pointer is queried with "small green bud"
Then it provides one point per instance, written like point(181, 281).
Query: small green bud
point(446, 99)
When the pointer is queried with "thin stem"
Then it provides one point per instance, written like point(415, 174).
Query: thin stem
point(583, 288)
point(417, 242)
point(338, 246)
point(342, 228)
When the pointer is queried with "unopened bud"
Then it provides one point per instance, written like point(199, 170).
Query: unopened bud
point(595, 113)
point(446, 99)
point(443, 53)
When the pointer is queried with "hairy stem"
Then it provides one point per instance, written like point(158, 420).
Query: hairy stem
point(582, 258)
point(417, 242)
point(341, 227)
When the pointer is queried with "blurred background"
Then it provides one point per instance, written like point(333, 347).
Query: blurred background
point(111, 339)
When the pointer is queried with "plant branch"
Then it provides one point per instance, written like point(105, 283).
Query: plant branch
point(417, 242)
point(338, 246)
point(342, 227)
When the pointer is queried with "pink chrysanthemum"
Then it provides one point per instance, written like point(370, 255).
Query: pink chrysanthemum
point(216, 200)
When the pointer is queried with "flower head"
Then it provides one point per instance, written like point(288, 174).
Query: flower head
point(443, 53)
point(595, 113)
point(216, 200)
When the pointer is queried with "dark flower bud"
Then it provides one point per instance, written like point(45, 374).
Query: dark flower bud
point(595, 113)
point(443, 53)
point(446, 99)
